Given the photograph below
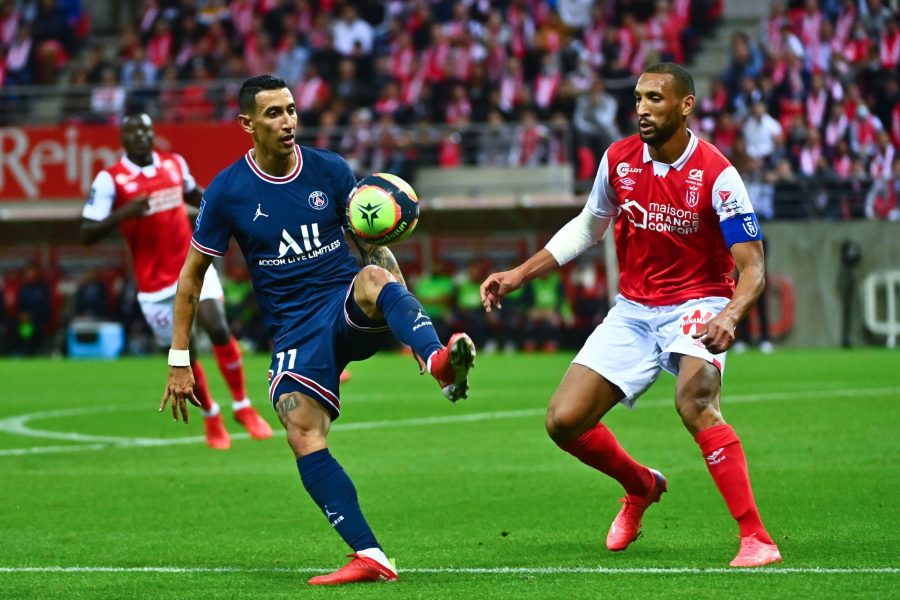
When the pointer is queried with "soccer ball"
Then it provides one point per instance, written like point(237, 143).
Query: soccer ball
point(383, 209)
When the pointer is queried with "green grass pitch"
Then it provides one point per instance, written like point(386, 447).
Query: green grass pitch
point(103, 497)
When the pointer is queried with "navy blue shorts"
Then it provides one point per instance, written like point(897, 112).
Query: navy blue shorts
point(310, 359)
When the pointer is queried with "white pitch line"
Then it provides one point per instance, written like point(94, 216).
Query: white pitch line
point(483, 570)
point(19, 424)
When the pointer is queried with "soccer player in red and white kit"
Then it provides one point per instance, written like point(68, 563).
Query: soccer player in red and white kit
point(144, 195)
point(682, 221)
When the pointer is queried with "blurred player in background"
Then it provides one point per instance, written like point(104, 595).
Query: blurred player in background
point(144, 195)
point(286, 207)
point(684, 220)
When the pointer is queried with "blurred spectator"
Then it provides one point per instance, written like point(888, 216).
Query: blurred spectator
point(350, 30)
point(108, 98)
point(587, 293)
point(547, 314)
point(291, 59)
point(529, 141)
point(77, 101)
point(34, 306)
point(312, 95)
point(496, 139)
point(864, 129)
point(19, 58)
point(435, 290)
point(138, 63)
point(763, 134)
point(595, 125)
point(880, 166)
point(91, 298)
point(469, 313)
point(883, 198)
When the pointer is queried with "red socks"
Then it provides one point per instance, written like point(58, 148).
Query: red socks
point(201, 390)
point(727, 464)
point(599, 449)
point(230, 364)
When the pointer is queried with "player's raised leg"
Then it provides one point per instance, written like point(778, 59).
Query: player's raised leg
point(573, 422)
point(211, 316)
point(697, 401)
point(379, 295)
point(307, 423)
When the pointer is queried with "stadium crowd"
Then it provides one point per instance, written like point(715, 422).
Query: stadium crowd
point(808, 108)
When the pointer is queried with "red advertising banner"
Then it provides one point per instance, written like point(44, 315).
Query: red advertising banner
point(59, 163)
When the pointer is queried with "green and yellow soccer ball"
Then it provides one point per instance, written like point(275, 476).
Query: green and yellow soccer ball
point(383, 209)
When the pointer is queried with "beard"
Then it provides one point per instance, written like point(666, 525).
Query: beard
point(660, 134)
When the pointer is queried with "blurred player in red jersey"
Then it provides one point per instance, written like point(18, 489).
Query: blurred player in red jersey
point(684, 221)
point(144, 195)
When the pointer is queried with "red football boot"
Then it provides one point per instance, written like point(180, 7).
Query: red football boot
point(755, 553)
point(216, 435)
point(255, 425)
point(451, 364)
point(627, 524)
point(359, 570)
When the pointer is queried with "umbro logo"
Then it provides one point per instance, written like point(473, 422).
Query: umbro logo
point(716, 457)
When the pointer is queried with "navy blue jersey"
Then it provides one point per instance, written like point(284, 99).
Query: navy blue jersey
point(289, 229)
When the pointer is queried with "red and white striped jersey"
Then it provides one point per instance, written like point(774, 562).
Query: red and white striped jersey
point(674, 220)
point(159, 240)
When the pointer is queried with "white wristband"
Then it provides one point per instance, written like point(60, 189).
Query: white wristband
point(179, 358)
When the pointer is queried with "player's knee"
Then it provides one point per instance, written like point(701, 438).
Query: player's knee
point(563, 425)
point(369, 283)
point(304, 441)
point(698, 407)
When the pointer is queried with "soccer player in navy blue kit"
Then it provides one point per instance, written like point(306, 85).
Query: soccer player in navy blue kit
point(285, 205)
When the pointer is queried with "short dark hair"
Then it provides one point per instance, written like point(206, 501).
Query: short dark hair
point(253, 86)
point(684, 83)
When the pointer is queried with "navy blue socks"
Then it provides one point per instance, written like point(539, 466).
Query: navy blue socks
point(407, 320)
point(331, 488)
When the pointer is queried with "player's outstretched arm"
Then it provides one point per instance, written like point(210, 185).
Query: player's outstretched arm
point(718, 333)
point(94, 231)
point(572, 239)
point(380, 256)
point(498, 285)
point(180, 386)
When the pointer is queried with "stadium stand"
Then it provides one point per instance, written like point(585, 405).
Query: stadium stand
point(807, 108)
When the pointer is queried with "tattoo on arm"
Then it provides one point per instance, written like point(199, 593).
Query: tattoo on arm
point(380, 256)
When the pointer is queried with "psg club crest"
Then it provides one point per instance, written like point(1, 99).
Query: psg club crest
point(318, 200)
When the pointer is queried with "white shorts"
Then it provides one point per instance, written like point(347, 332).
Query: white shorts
point(160, 312)
point(634, 342)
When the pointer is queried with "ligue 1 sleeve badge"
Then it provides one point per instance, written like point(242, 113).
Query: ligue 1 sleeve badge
point(318, 200)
